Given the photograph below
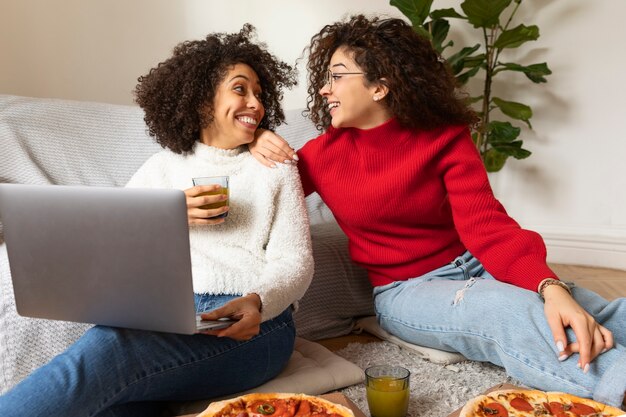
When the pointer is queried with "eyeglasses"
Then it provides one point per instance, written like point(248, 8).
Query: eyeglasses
point(334, 76)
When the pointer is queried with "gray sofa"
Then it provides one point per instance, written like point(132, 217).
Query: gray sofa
point(51, 141)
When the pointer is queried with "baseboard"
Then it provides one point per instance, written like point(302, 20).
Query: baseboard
point(604, 248)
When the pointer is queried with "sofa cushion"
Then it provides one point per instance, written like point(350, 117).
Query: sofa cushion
point(51, 141)
point(339, 292)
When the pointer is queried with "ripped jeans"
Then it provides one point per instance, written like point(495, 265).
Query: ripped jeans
point(461, 308)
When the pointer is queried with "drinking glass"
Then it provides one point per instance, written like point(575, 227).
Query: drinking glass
point(223, 182)
point(387, 390)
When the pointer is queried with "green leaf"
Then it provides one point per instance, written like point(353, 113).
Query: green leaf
point(472, 100)
point(536, 72)
point(457, 61)
point(513, 38)
point(484, 13)
point(440, 28)
point(474, 61)
point(464, 78)
point(416, 10)
point(494, 160)
point(514, 110)
point(502, 132)
point(443, 13)
point(513, 149)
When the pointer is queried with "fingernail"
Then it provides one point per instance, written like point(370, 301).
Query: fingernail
point(273, 166)
point(559, 346)
point(586, 369)
point(604, 350)
point(578, 364)
point(287, 161)
point(563, 357)
point(296, 157)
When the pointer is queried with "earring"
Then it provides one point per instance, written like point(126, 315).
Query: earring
point(376, 98)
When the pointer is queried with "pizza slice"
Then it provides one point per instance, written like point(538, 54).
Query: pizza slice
point(523, 402)
point(568, 405)
point(507, 403)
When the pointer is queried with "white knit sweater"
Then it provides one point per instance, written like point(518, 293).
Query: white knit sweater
point(264, 246)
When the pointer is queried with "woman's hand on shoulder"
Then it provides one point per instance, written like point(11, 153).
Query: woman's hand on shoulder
point(246, 310)
point(269, 148)
point(563, 311)
point(197, 198)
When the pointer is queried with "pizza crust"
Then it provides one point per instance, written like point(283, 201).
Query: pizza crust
point(238, 404)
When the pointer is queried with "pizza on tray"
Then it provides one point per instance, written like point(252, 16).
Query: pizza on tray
point(276, 405)
point(535, 403)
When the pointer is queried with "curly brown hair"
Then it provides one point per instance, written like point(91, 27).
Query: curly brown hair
point(422, 93)
point(177, 95)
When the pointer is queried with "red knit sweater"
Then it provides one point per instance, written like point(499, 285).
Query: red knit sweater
point(411, 201)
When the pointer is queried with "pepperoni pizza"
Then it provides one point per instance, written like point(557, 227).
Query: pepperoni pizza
point(534, 403)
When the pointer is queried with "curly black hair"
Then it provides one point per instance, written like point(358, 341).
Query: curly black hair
point(177, 95)
point(422, 93)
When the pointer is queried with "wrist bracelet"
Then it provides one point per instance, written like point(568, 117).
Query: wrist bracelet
point(551, 281)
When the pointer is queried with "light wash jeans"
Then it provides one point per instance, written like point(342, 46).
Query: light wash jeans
point(122, 372)
point(461, 308)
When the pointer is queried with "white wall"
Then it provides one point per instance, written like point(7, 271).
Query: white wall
point(96, 49)
point(571, 190)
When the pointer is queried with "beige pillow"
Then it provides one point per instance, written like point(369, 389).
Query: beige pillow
point(312, 370)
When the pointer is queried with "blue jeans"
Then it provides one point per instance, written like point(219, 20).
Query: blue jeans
point(460, 307)
point(122, 372)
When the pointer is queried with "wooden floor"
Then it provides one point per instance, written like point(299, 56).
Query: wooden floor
point(610, 283)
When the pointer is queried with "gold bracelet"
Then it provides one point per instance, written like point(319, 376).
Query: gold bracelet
point(551, 281)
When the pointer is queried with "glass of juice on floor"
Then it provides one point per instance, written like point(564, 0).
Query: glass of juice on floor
point(222, 181)
point(387, 390)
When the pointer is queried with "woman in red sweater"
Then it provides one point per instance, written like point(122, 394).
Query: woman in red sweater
point(450, 269)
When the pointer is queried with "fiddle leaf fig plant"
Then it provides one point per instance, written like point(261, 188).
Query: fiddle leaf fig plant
point(496, 140)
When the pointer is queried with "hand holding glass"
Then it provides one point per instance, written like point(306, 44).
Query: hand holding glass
point(223, 183)
point(387, 390)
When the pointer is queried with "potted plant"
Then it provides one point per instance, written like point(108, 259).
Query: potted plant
point(496, 140)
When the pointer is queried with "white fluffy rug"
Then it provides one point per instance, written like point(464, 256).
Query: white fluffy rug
point(436, 390)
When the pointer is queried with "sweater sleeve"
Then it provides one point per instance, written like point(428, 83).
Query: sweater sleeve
point(308, 159)
point(289, 255)
point(508, 252)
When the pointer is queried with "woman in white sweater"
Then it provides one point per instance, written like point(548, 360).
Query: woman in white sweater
point(203, 105)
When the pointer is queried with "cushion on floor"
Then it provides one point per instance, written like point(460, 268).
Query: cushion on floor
point(312, 370)
point(370, 325)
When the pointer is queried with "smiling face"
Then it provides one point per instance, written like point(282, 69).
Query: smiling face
point(352, 102)
point(237, 109)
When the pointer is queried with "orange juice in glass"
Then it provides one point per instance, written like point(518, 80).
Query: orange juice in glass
point(387, 390)
point(221, 181)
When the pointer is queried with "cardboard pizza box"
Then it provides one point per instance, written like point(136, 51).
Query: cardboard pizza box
point(336, 397)
point(494, 388)
point(339, 398)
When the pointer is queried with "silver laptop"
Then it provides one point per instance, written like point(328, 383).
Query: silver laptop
point(112, 256)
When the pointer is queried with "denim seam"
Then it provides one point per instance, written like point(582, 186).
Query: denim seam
point(514, 357)
point(188, 363)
